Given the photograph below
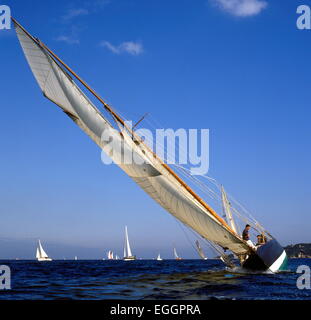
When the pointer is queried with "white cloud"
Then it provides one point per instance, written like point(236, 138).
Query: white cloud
point(69, 40)
point(242, 8)
point(73, 13)
point(130, 47)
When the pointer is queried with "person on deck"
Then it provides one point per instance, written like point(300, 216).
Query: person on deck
point(245, 236)
point(259, 240)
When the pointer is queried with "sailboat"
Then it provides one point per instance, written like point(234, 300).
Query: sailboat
point(110, 255)
point(200, 250)
point(176, 255)
point(59, 84)
point(41, 255)
point(159, 257)
point(76, 258)
point(127, 254)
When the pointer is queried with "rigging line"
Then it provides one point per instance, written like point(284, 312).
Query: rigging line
point(171, 157)
point(171, 173)
point(229, 195)
point(230, 198)
point(203, 187)
point(216, 198)
point(210, 244)
point(177, 148)
point(181, 227)
point(194, 177)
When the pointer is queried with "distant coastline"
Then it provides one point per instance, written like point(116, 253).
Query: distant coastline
point(299, 250)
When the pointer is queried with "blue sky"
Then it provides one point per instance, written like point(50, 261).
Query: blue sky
point(240, 69)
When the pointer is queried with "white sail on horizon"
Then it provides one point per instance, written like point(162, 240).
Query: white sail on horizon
point(110, 255)
point(127, 248)
point(41, 255)
point(175, 254)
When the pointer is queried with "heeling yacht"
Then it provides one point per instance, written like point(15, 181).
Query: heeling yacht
point(162, 182)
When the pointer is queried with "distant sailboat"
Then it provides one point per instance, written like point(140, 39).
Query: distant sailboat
point(76, 258)
point(110, 255)
point(127, 254)
point(176, 255)
point(41, 255)
point(159, 257)
point(200, 250)
point(117, 257)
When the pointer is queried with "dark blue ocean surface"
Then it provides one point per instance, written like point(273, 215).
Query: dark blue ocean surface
point(147, 279)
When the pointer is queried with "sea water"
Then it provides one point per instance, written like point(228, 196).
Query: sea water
point(148, 279)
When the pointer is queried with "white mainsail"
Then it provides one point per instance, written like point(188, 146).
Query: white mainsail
point(176, 255)
point(159, 257)
point(42, 253)
point(127, 248)
point(151, 175)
